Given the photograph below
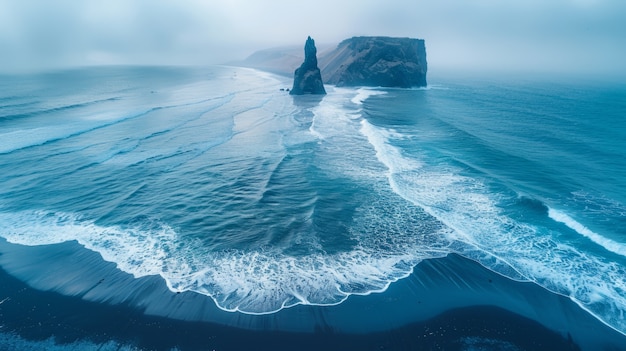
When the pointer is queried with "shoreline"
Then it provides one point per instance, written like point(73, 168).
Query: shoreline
point(67, 320)
point(453, 295)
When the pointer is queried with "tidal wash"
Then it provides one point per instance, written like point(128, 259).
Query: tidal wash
point(217, 185)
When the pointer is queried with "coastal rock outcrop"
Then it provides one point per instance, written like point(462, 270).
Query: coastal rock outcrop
point(376, 61)
point(308, 78)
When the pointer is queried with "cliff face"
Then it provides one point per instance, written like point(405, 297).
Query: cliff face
point(376, 61)
point(307, 78)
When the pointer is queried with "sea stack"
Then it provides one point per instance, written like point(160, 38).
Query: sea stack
point(308, 78)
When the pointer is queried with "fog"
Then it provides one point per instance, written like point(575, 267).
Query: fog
point(517, 35)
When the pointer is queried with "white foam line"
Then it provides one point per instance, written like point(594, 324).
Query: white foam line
point(314, 132)
point(607, 243)
point(604, 289)
point(363, 94)
point(246, 282)
point(387, 154)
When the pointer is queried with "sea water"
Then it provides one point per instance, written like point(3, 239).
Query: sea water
point(222, 184)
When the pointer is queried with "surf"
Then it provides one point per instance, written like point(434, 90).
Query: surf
point(606, 243)
point(480, 230)
point(259, 202)
point(254, 250)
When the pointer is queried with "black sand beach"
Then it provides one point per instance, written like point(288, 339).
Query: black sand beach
point(446, 304)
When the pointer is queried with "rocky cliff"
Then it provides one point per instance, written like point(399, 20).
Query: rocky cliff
point(307, 78)
point(376, 61)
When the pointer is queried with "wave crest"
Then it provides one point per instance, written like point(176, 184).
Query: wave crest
point(515, 249)
point(255, 282)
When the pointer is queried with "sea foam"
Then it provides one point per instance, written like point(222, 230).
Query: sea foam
point(388, 234)
point(611, 245)
point(480, 230)
point(411, 209)
point(255, 282)
point(364, 93)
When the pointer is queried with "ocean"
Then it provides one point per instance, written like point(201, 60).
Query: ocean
point(204, 208)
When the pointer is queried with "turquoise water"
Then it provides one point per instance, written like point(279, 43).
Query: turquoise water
point(222, 185)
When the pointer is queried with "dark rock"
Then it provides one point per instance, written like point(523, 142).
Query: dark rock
point(376, 61)
point(308, 78)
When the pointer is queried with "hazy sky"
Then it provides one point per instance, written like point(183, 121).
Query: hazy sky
point(525, 35)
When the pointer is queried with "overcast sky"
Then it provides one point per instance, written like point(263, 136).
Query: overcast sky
point(524, 35)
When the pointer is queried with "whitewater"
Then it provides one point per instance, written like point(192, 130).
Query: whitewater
point(221, 184)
